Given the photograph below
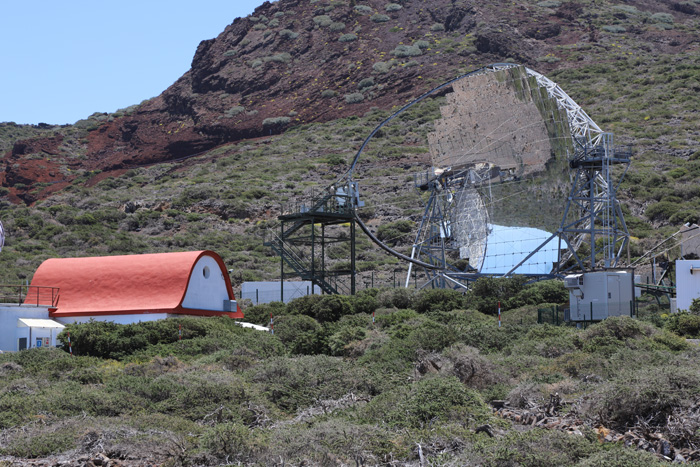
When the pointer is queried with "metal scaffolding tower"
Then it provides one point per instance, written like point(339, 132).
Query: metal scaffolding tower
point(309, 230)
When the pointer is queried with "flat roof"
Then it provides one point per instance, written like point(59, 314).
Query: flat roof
point(38, 323)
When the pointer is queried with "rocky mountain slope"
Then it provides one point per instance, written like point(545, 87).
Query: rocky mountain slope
point(294, 62)
point(280, 101)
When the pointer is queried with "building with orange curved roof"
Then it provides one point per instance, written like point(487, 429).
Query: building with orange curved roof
point(132, 288)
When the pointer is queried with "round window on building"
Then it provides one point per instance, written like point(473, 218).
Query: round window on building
point(206, 272)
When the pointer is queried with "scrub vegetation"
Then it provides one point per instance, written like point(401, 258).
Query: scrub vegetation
point(390, 376)
point(333, 385)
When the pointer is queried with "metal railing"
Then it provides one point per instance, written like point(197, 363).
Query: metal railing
point(29, 295)
point(329, 202)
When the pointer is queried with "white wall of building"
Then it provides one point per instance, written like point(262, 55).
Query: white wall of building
point(687, 283)
point(207, 287)
point(9, 314)
point(119, 319)
point(35, 332)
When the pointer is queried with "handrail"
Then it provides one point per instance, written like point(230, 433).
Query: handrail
point(35, 295)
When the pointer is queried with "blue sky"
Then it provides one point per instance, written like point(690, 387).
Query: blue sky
point(60, 61)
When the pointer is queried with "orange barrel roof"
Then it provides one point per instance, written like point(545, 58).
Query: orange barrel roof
point(126, 284)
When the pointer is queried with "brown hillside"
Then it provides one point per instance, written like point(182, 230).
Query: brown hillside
point(295, 62)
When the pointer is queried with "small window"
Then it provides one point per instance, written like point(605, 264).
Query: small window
point(206, 272)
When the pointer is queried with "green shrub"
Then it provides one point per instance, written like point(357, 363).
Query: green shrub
point(379, 18)
point(42, 444)
point(354, 98)
point(337, 26)
point(283, 57)
point(396, 232)
point(695, 307)
point(322, 21)
point(260, 314)
point(671, 341)
point(339, 340)
point(327, 93)
point(364, 9)
point(381, 67)
point(233, 441)
point(422, 44)
point(551, 291)
point(437, 27)
point(538, 448)
point(488, 337)
point(406, 51)
point(487, 292)
point(150, 338)
point(397, 298)
point(650, 393)
point(301, 334)
point(431, 300)
point(365, 83)
point(427, 401)
point(684, 324)
point(303, 305)
point(365, 301)
point(347, 38)
point(615, 333)
point(546, 341)
point(296, 383)
point(662, 18)
point(235, 110)
point(431, 336)
point(615, 29)
point(393, 7)
point(288, 34)
point(331, 308)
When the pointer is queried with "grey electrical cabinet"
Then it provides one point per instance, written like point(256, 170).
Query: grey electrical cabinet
point(594, 296)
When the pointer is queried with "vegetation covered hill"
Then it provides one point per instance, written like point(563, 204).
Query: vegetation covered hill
point(386, 377)
point(181, 171)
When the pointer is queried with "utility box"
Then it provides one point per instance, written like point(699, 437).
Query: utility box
point(594, 296)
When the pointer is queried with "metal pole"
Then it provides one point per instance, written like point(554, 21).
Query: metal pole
point(313, 251)
point(323, 252)
point(282, 263)
point(352, 259)
point(410, 266)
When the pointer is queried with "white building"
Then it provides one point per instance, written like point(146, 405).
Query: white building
point(687, 282)
point(123, 289)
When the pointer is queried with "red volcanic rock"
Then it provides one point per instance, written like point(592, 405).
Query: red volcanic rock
point(287, 61)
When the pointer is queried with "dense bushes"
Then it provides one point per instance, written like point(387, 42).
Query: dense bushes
point(199, 336)
point(420, 373)
point(684, 324)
